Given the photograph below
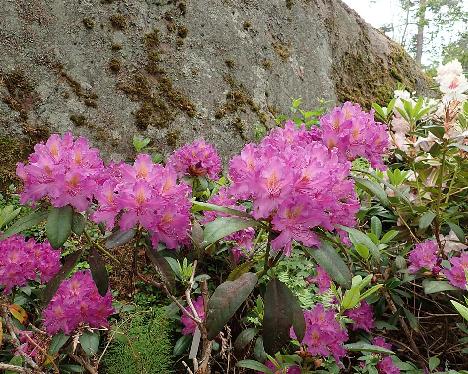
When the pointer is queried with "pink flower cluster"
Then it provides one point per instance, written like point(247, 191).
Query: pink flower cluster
point(243, 238)
point(322, 279)
point(355, 134)
point(457, 273)
point(77, 302)
point(362, 316)
point(149, 195)
point(196, 159)
point(296, 183)
point(385, 364)
point(424, 256)
point(323, 336)
point(21, 261)
point(189, 324)
point(65, 170)
point(290, 370)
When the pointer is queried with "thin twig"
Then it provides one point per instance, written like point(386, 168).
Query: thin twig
point(16, 369)
point(83, 362)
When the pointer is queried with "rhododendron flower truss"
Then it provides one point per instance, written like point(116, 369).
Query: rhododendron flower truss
point(65, 170)
point(77, 302)
point(424, 256)
point(362, 316)
point(324, 336)
point(22, 261)
point(243, 239)
point(189, 323)
point(457, 273)
point(296, 183)
point(148, 195)
point(354, 133)
point(197, 159)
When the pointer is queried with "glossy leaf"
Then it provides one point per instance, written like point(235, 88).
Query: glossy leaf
point(59, 225)
point(244, 338)
point(224, 226)
point(58, 341)
point(373, 188)
point(225, 301)
point(99, 271)
point(25, 223)
point(259, 350)
point(78, 223)
point(366, 347)
point(326, 257)
point(376, 226)
point(8, 214)
point(240, 269)
point(89, 341)
point(357, 236)
point(426, 220)
point(463, 310)
point(119, 237)
point(434, 286)
point(162, 266)
point(254, 365)
point(182, 345)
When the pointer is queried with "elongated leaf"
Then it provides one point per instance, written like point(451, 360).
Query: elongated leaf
point(458, 231)
point(89, 341)
point(162, 266)
point(373, 188)
point(182, 345)
point(280, 312)
point(331, 261)
point(8, 214)
point(366, 347)
point(463, 310)
point(244, 338)
point(376, 226)
point(225, 301)
point(357, 236)
point(99, 271)
point(351, 298)
point(240, 269)
point(426, 219)
point(433, 286)
point(58, 341)
point(59, 225)
point(224, 226)
point(78, 223)
point(25, 223)
point(69, 264)
point(200, 206)
point(254, 365)
point(259, 350)
point(388, 236)
point(119, 238)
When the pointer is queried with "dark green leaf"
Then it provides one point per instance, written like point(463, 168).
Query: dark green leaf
point(99, 271)
point(225, 301)
point(280, 311)
point(119, 238)
point(69, 264)
point(433, 363)
point(90, 342)
point(58, 341)
point(389, 236)
point(373, 188)
point(59, 225)
point(357, 236)
point(458, 231)
point(366, 347)
point(413, 321)
point(224, 226)
point(244, 338)
point(182, 345)
point(434, 286)
point(199, 206)
point(162, 266)
point(426, 219)
point(197, 234)
point(333, 264)
point(254, 365)
point(240, 269)
point(259, 350)
point(376, 226)
point(25, 223)
point(78, 223)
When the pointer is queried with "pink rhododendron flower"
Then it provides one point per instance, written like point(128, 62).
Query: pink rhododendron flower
point(77, 302)
point(386, 366)
point(295, 182)
point(355, 134)
point(324, 336)
point(243, 238)
point(189, 324)
point(457, 273)
point(381, 342)
point(148, 195)
point(196, 159)
point(21, 261)
point(424, 256)
point(362, 316)
point(322, 279)
point(65, 170)
point(290, 370)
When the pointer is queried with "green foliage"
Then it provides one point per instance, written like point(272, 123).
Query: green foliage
point(141, 345)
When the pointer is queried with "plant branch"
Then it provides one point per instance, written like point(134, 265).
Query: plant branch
point(101, 248)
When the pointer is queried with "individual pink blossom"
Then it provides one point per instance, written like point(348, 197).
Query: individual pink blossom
point(424, 256)
point(147, 195)
point(322, 279)
point(324, 336)
point(381, 342)
point(354, 133)
point(296, 183)
point(65, 170)
point(22, 261)
point(189, 324)
point(243, 238)
point(362, 316)
point(196, 159)
point(457, 273)
point(386, 366)
point(77, 302)
point(290, 370)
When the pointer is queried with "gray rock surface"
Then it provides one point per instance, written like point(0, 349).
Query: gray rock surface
point(178, 70)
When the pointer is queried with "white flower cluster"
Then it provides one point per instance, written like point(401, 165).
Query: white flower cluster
point(452, 81)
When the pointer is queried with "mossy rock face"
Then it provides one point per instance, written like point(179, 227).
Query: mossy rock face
point(175, 71)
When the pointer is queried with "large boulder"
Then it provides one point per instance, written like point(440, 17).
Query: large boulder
point(177, 70)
